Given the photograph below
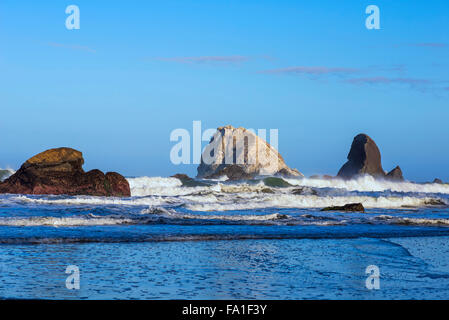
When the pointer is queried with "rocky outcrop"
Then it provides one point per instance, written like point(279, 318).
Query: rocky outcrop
point(438, 181)
point(187, 181)
point(395, 174)
point(351, 207)
point(240, 154)
point(364, 158)
point(181, 176)
point(305, 191)
point(59, 171)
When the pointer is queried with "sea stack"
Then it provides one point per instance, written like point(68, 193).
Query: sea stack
point(59, 171)
point(240, 154)
point(364, 159)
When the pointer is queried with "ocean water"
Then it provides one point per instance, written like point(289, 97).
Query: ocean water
point(260, 239)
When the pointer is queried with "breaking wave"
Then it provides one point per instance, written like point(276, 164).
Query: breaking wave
point(63, 221)
point(214, 201)
point(311, 201)
point(6, 173)
point(369, 184)
point(414, 221)
point(176, 215)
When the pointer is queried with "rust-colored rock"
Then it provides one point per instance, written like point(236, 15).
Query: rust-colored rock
point(60, 171)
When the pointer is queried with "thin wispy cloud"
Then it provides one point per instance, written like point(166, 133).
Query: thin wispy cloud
point(373, 75)
point(206, 59)
point(397, 68)
point(72, 47)
point(311, 70)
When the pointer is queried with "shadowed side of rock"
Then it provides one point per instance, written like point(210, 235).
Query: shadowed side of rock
point(363, 158)
point(59, 171)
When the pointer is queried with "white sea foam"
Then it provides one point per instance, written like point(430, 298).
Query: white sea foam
point(176, 215)
point(309, 201)
point(159, 186)
point(368, 183)
point(241, 201)
point(143, 186)
point(99, 201)
point(414, 221)
point(62, 221)
point(8, 172)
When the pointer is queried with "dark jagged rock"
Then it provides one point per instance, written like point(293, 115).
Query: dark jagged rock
point(59, 171)
point(363, 158)
point(181, 176)
point(304, 191)
point(439, 181)
point(267, 190)
point(233, 172)
point(395, 174)
point(351, 207)
point(188, 181)
point(435, 202)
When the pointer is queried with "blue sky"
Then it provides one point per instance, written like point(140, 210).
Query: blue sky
point(136, 70)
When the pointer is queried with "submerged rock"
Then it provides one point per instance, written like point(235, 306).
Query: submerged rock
point(59, 171)
point(240, 154)
point(304, 191)
point(188, 181)
point(364, 158)
point(267, 190)
point(181, 176)
point(351, 207)
point(395, 174)
point(435, 202)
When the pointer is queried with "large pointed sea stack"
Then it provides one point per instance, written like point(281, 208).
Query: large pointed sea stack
point(364, 158)
point(240, 154)
point(59, 171)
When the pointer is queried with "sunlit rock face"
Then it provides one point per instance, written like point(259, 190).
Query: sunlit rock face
point(59, 171)
point(239, 154)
